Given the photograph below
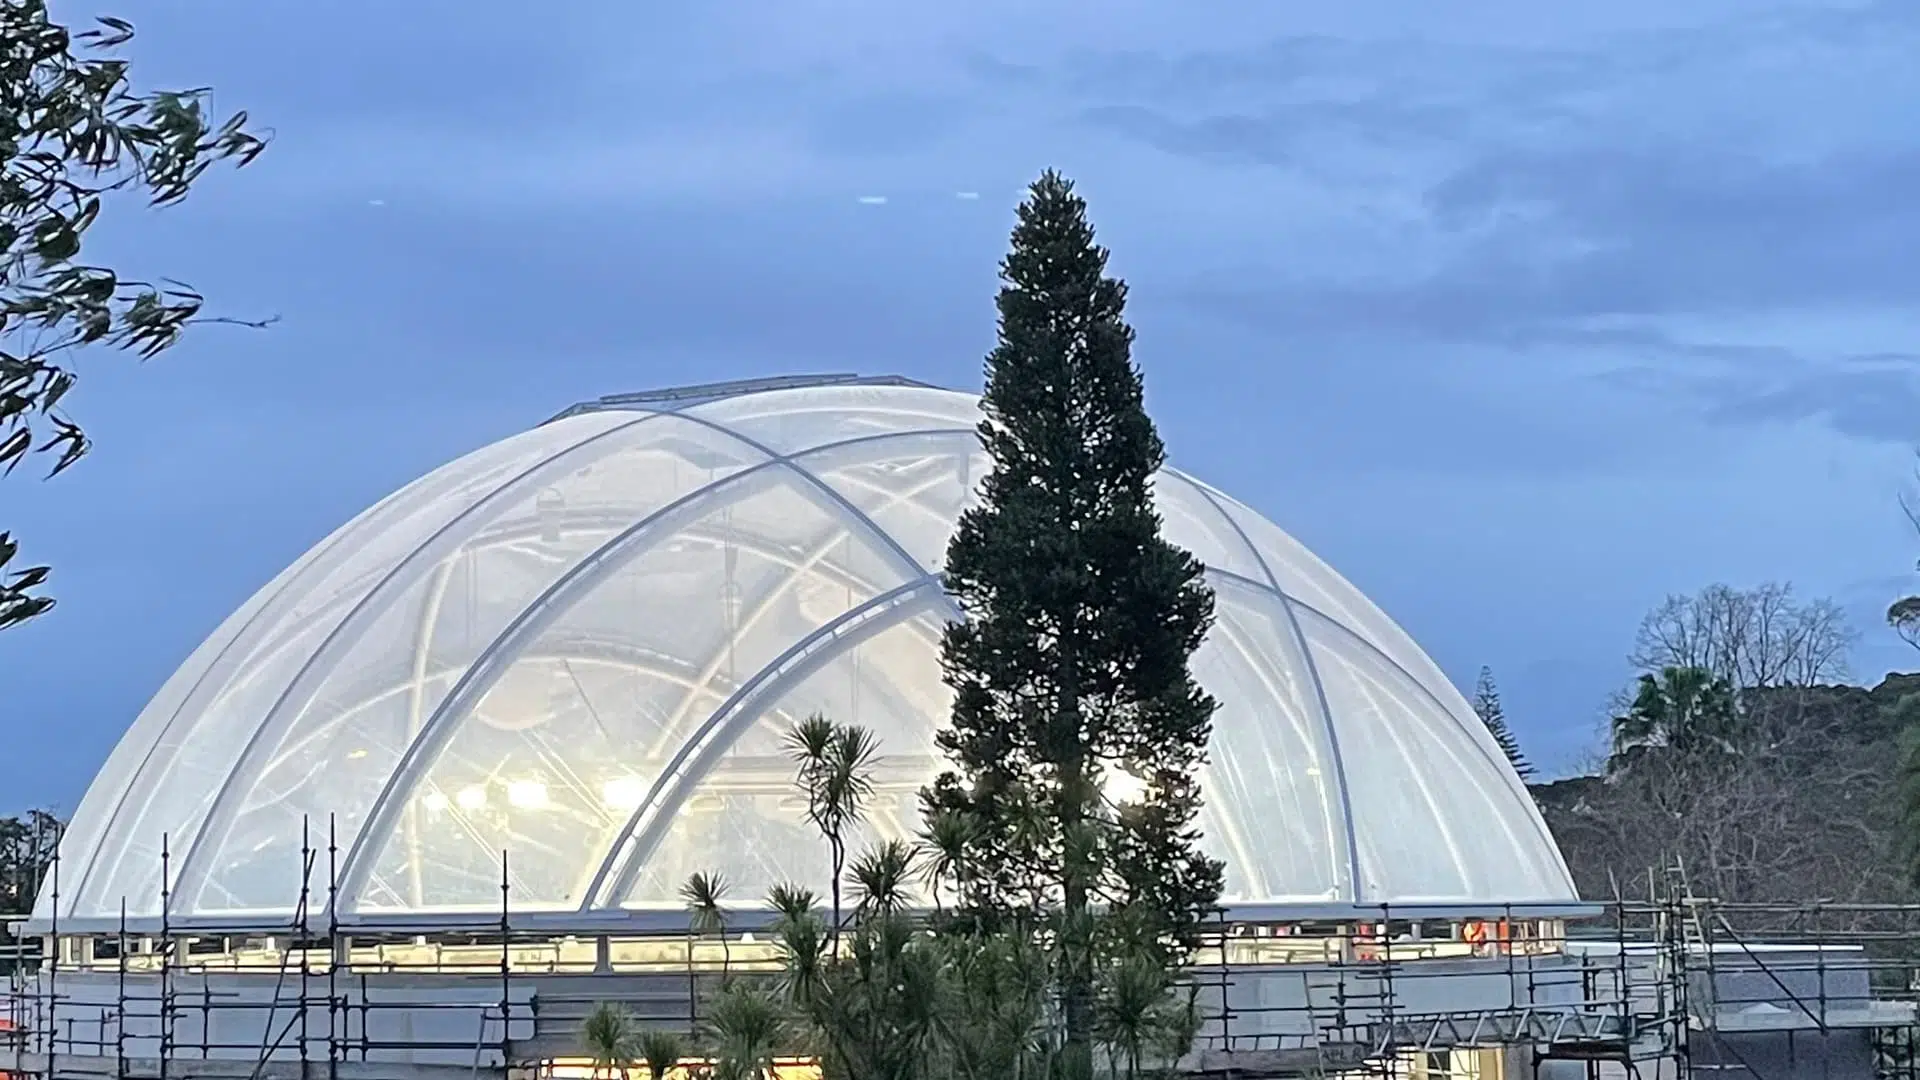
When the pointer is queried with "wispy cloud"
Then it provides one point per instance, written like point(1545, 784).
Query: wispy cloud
point(1575, 198)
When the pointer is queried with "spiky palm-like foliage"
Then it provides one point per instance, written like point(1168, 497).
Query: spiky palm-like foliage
point(703, 893)
point(1138, 1017)
point(944, 841)
point(1686, 711)
point(610, 1038)
point(880, 878)
point(1001, 1022)
point(660, 1050)
point(834, 767)
point(791, 903)
point(748, 1029)
point(880, 1007)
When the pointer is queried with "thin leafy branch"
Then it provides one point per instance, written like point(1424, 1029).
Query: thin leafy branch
point(74, 133)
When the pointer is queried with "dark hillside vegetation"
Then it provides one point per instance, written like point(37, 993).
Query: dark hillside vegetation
point(1787, 795)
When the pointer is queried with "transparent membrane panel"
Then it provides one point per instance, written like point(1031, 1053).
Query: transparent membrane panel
point(744, 816)
point(546, 788)
point(790, 421)
point(1273, 811)
point(1190, 521)
point(334, 743)
point(1436, 817)
point(681, 617)
point(199, 759)
point(115, 815)
point(80, 841)
point(1302, 575)
point(913, 488)
point(333, 761)
point(218, 717)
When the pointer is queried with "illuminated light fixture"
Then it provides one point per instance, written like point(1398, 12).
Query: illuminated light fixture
point(527, 794)
point(356, 755)
point(623, 792)
point(436, 801)
point(472, 797)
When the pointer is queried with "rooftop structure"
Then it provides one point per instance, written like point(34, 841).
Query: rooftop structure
point(562, 665)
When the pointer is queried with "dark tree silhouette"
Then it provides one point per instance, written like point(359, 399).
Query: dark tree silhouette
point(1486, 705)
point(1073, 663)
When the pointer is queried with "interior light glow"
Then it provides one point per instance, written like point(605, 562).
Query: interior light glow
point(527, 794)
point(472, 797)
point(436, 801)
point(623, 792)
point(1122, 786)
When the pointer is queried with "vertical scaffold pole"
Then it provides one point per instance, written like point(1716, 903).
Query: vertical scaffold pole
point(506, 960)
point(1226, 980)
point(53, 967)
point(166, 954)
point(333, 950)
point(301, 929)
point(120, 1030)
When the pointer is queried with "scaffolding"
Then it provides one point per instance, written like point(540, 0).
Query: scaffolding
point(1398, 995)
point(1673, 987)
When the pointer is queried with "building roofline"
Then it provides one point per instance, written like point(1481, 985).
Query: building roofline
point(745, 917)
point(671, 398)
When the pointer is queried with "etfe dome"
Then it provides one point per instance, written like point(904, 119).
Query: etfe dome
point(581, 646)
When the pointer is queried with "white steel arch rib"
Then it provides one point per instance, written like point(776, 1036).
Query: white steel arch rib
point(292, 701)
point(1374, 652)
point(670, 789)
point(289, 588)
point(1489, 755)
point(1261, 668)
point(818, 551)
point(136, 788)
point(1304, 653)
point(865, 521)
point(576, 521)
point(578, 581)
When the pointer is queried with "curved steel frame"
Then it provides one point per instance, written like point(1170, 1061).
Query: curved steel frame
point(140, 779)
point(1313, 674)
point(446, 540)
point(626, 858)
point(560, 597)
point(696, 755)
point(1498, 764)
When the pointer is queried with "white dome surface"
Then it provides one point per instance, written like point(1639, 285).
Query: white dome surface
point(581, 645)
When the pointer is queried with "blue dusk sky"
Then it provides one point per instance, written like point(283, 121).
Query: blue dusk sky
point(1521, 314)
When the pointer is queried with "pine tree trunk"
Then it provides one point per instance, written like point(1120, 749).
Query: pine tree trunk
point(1076, 984)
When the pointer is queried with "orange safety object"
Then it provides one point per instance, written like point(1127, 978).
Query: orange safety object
point(1475, 932)
point(1367, 940)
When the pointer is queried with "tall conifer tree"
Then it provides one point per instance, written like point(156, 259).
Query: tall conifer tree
point(1486, 705)
point(1072, 667)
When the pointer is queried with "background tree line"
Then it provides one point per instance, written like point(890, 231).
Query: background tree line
point(1741, 754)
point(27, 846)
